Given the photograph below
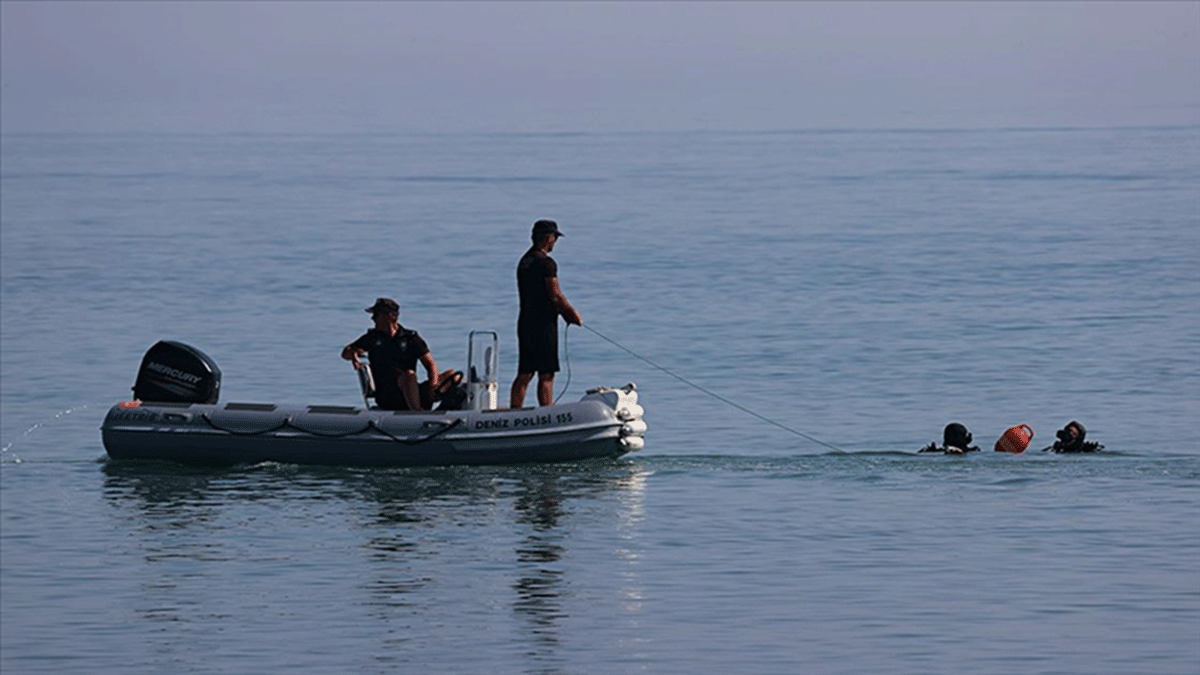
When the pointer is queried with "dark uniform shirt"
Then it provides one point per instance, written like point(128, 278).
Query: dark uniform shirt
point(537, 324)
point(389, 357)
point(533, 270)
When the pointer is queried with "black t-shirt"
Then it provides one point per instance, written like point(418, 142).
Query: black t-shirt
point(389, 356)
point(533, 270)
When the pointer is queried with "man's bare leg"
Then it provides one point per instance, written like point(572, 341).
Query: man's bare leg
point(545, 389)
point(516, 397)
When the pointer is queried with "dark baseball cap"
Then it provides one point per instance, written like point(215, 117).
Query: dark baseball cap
point(384, 305)
point(544, 227)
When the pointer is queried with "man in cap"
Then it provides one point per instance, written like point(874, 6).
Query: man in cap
point(394, 352)
point(537, 324)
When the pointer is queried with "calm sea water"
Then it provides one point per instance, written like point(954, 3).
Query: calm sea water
point(862, 288)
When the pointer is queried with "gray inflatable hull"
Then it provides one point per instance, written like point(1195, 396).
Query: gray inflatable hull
point(604, 423)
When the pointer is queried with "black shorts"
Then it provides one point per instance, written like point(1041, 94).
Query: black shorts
point(394, 399)
point(537, 347)
point(390, 400)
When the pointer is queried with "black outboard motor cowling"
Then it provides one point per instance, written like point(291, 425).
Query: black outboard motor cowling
point(173, 372)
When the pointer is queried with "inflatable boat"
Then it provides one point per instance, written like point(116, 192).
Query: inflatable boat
point(175, 416)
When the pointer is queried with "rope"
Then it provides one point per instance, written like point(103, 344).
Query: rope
point(287, 422)
point(567, 355)
point(282, 425)
point(713, 394)
point(323, 434)
point(457, 421)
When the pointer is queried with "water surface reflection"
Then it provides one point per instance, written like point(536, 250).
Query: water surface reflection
point(389, 549)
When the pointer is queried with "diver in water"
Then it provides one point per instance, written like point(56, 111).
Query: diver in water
point(956, 440)
point(1071, 439)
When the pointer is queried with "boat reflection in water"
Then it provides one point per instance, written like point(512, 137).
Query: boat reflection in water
point(526, 547)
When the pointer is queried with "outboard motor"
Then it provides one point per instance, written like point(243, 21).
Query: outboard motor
point(173, 372)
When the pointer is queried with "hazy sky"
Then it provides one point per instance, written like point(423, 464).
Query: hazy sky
point(316, 66)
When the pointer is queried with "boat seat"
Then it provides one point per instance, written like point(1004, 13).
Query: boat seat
point(452, 399)
point(367, 384)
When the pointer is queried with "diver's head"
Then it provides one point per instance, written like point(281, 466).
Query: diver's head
point(956, 435)
point(1071, 435)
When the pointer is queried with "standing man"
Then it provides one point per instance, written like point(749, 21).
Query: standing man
point(537, 325)
point(394, 352)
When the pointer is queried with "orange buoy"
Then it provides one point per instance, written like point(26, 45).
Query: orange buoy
point(1015, 439)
